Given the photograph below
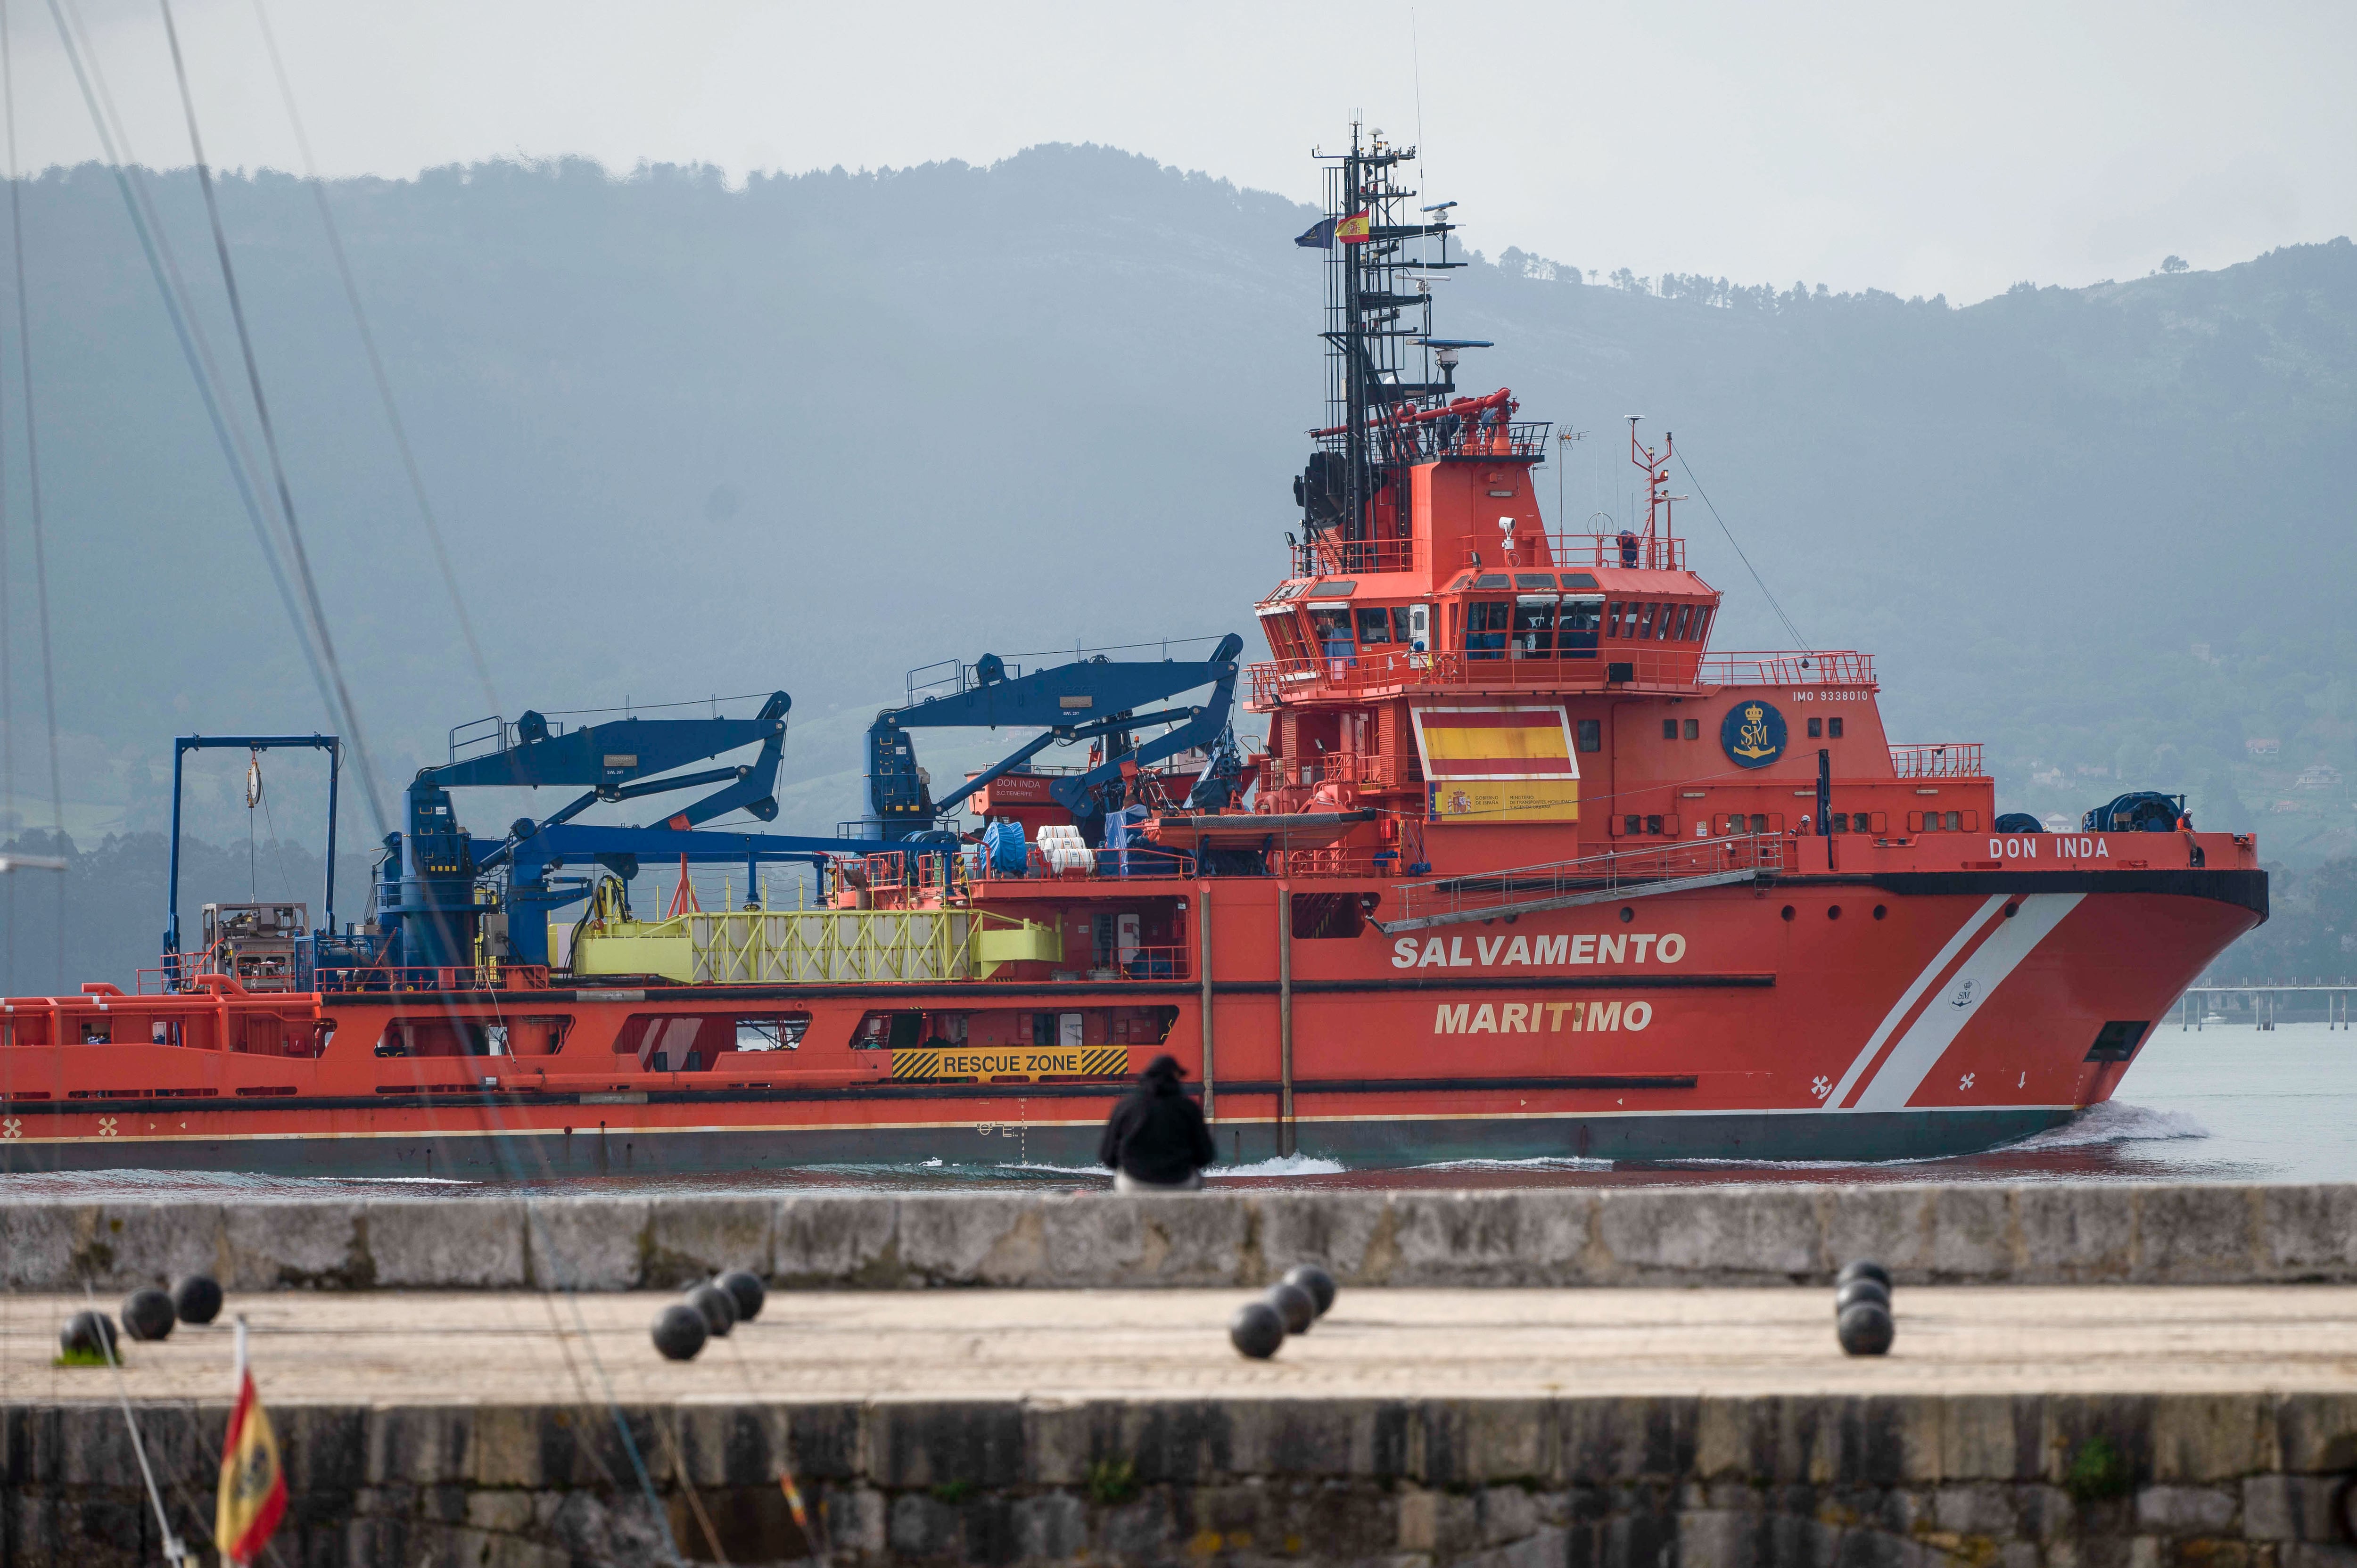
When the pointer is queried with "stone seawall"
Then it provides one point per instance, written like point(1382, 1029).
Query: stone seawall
point(1548, 1236)
point(1895, 1481)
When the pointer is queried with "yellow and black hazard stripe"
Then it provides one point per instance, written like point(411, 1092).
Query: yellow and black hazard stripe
point(1026, 1062)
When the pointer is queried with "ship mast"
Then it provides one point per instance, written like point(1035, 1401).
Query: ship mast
point(1378, 302)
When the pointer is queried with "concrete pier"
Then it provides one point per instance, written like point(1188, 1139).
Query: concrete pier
point(2085, 1377)
point(2038, 1428)
point(1721, 1236)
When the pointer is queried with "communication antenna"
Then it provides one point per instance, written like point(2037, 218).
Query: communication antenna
point(1564, 439)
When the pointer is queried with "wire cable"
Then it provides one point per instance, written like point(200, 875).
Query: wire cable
point(33, 481)
point(1798, 641)
point(376, 362)
point(8, 599)
point(164, 268)
point(349, 715)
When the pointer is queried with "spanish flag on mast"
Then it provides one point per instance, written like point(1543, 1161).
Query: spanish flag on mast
point(253, 1485)
point(1352, 231)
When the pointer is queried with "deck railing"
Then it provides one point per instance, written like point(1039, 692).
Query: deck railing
point(1813, 667)
point(1948, 759)
point(1611, 869)
point(1645, 665)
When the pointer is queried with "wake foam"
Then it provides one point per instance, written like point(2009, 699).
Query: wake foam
point(1282, 1166)
point(1536, 1163)
point(2114, 1122)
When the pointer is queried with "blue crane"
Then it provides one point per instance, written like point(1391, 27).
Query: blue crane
point(1087, 699)
point(427, 890)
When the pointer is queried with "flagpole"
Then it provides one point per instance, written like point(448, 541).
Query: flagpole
point(174, 1552)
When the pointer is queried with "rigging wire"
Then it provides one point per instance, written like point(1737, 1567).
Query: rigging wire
point(8, 630)
point(376, 361)
point(33, 484)
point(155, 245)
point(1798, 641)
point(348, 713)
point(749, 696)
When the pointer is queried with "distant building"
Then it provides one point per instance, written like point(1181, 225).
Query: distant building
point(2258, 746)
point(2059, 823)
point(2283, 806)
point(2051, 776)
point(2323, 776)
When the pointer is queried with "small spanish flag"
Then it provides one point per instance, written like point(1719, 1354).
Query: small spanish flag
point(1352, 231)
point(253, 1485)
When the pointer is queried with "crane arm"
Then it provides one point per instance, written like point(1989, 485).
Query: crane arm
point(1070, 701)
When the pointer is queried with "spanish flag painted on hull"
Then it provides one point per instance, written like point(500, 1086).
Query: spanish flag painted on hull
point(253, 1485)
point(1501, 763)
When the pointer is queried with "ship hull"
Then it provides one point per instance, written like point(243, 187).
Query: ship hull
point(1867, 1016)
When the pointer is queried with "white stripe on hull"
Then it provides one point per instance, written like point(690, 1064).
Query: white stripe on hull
point(1919, 1049)
point(1907, 999)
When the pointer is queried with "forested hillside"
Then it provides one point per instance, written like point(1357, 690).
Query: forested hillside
point(692, 442)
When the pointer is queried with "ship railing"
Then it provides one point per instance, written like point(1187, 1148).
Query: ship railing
point(1309, 863)
point(1158, 962)
point(1633, 664)
point(487, 736)
point(432, 977)
point(1812, 667)
point(1140, 860)
point(948, 677)
point(1612, 869)
point(1340, 767)
point(1326, 556)
point(1947, 759)
point(1440, 432)
point(1646, 552)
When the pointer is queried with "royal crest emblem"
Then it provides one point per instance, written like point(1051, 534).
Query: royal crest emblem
point(1752, 735)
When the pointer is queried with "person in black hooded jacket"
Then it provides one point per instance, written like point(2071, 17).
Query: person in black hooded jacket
point(1156, 1140)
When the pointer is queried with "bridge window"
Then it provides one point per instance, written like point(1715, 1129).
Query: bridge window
point(1534, 627)
point(1487, 628)
point(1285, 636)
point(1374, 626)
point(1333, 630)
point(1534, 580)
point(1576, 626)
point(1702, 623)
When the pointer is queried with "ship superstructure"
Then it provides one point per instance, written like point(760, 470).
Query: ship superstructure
point(1527, 868)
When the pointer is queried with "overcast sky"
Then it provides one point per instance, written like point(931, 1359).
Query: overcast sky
point(1920, 149)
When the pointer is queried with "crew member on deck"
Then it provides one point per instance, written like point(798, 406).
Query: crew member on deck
point(1156, 1140)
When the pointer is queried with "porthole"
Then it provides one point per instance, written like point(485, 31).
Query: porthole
point(2011, 911)
point(1788, 912)
point(1626, 914)
point(1879, 911)
point(1832, 911)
